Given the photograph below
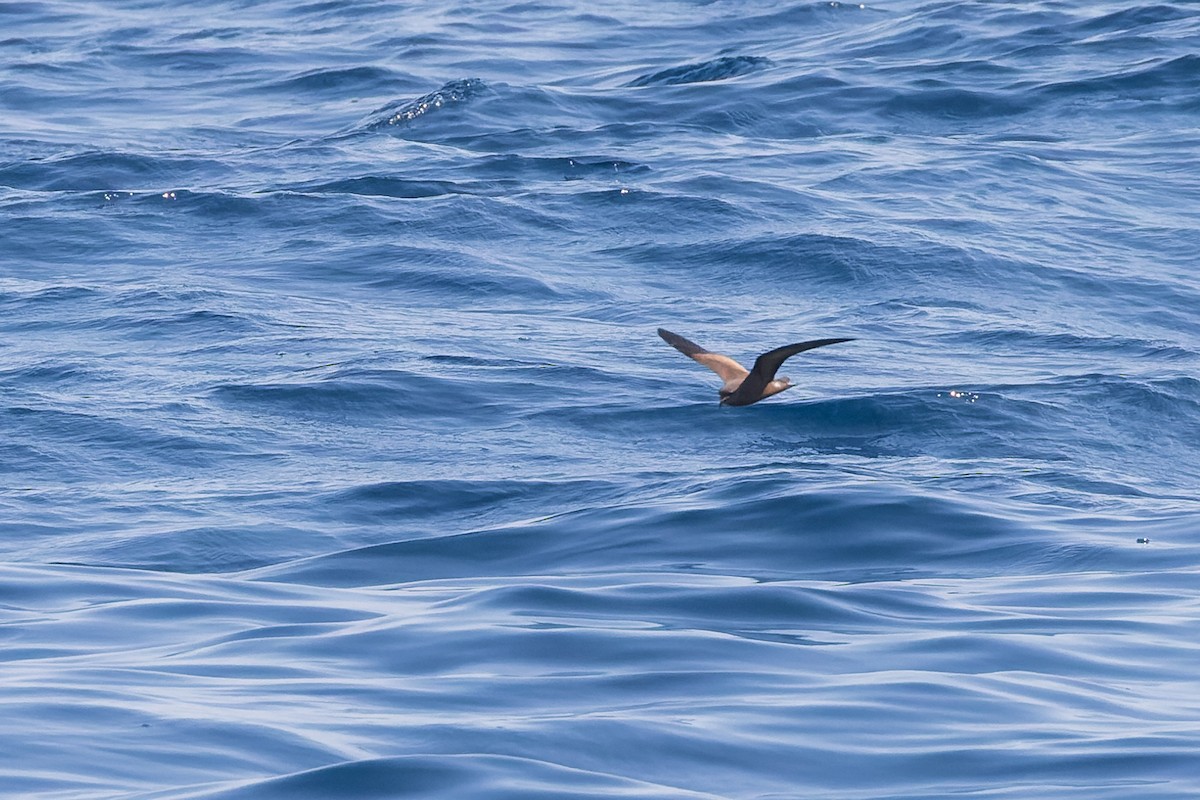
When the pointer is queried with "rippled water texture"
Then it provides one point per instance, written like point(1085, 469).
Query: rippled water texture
point(340, 457)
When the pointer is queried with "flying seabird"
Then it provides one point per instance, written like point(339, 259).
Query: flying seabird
point(743, 387)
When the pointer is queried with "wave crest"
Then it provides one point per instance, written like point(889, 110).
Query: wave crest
point(716, 70)
point(459, 91)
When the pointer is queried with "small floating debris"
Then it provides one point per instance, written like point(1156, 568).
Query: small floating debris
point(1143, 541)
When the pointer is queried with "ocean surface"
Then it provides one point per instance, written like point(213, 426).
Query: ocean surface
point(339, 457)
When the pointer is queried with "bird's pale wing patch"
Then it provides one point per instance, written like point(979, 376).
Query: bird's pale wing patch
point(724, 366)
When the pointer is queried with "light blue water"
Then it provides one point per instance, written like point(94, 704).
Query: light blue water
point(340, 458)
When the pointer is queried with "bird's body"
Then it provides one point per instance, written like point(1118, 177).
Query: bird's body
point(745, 386)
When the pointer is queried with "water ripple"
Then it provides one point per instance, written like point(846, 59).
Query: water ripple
point(718, 69)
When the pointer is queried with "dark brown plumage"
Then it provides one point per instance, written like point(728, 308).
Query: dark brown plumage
point(745, 386)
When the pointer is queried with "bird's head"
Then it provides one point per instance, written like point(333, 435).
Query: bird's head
point(779, 385)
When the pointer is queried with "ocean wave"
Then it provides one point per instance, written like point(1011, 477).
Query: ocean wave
point(1134, 17)
point(380, 186)
point(832, 532)
point(1167, 77)
point(468, 499)
point(453, 93)
point(480, 775)
point(99, 171)
point(349, 79)
point(718, 69)
point(371, 393)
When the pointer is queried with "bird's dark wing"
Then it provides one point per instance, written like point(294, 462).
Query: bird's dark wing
point(766, 365)
point(724, 366)
point(769, 363)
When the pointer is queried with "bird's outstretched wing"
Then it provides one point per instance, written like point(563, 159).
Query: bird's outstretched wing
point(766, 365)
point(724, 366)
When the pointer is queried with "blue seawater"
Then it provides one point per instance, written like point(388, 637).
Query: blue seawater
point(340, 457)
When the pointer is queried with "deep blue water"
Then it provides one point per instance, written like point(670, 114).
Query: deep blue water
point(340, 458)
